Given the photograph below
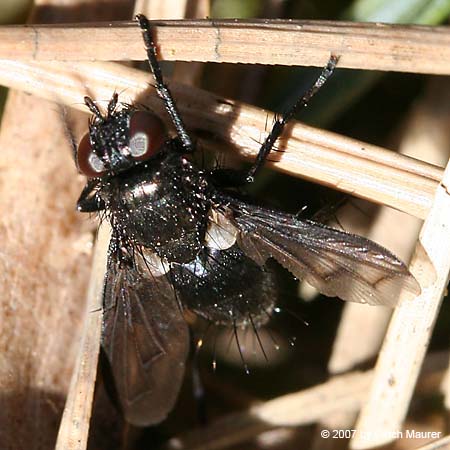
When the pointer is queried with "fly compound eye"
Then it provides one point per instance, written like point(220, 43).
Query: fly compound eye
point(88, 162)
point(147, 134)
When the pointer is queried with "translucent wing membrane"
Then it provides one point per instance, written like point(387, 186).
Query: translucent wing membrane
point(146, 341)
point(334, 262)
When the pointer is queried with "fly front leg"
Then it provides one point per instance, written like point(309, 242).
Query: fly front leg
point(161, 87)
point(89, 200)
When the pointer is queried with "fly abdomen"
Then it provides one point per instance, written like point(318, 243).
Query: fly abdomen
point(226, 287)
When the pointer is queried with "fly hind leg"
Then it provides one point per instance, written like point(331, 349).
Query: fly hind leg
point(283, 119)
point(234, 178)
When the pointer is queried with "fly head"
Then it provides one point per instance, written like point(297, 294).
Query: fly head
point(118, 140)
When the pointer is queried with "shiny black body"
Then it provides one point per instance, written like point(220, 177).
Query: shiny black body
point(170, 219)
point(181, 240)
point(177, 210)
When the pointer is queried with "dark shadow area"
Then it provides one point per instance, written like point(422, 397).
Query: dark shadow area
point(30, 419)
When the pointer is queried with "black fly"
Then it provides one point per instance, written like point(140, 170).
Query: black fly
point(182, 240)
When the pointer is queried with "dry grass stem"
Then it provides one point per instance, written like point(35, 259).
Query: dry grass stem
point(428, 113)
point(409, 332)
point(349, 350)
point(75, 423)
point(169, 9)
point(346, 164)
point(341, 393)
point(74, 429)
point(405, 48)
point(440, 444)
point(45, 245)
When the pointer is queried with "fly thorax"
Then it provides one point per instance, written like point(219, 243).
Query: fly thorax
point(165, 209)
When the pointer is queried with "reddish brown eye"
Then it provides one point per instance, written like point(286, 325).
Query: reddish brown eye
point(88, 162)
point(147, 134)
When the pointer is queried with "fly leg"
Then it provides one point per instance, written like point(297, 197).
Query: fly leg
point(161, 88)
point(281, 121)
point(233, 178)
point(89, 201)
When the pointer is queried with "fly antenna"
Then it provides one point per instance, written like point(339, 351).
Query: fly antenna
point(112, 104)
point(93, 108)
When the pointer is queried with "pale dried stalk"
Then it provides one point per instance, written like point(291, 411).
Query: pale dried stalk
point(341, 394)
point(346, 164)
point(46, 246)
point(440, 444)
point(169, 9)
point(425, 135)
point(346, 392)
point(445, 389)
point(74, 429)
point(405, 48)
point(409, 331)
point(75, 423)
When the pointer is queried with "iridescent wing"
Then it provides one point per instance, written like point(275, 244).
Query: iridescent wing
point(334, 262)
point(145, 339)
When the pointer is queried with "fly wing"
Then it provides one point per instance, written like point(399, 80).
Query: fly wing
point(146, 341)
point(334, 262)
